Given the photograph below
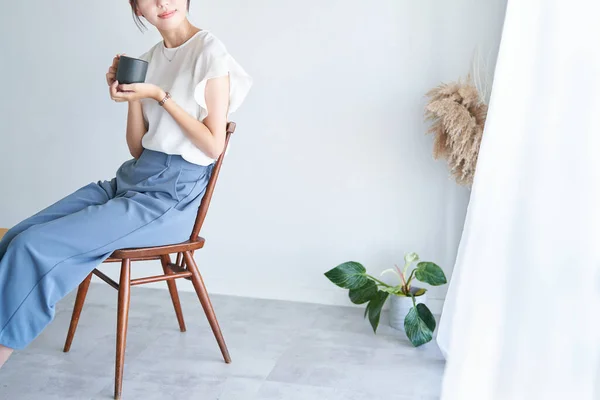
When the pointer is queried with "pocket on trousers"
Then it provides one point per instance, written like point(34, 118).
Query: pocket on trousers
point(190, 185)
point(185, 182)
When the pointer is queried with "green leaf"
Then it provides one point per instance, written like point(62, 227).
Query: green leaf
point(417, 330)
point(374, 308)
point(396, 290)
point(349, 275)
point(363, 293)
point(429, 272)
point(426, 316)
point(420, 292)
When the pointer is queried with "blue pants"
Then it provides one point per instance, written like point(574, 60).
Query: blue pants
point(152, 201)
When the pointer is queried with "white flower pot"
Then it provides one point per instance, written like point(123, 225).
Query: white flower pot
point(400, 306)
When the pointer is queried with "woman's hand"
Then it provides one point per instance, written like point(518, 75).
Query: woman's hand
point(135, 92)
point(111, 75)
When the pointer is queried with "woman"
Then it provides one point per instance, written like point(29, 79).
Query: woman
point(175, 131)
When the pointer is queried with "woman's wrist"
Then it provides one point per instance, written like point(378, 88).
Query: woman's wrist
point(160, 94)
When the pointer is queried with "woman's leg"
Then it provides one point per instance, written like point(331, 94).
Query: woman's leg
point(92, 194)
point(5, 352)
point(48, 260)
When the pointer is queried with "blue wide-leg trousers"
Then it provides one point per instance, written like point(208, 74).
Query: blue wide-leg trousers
point(152, 201)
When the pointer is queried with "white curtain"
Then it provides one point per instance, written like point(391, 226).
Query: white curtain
point(522, 315)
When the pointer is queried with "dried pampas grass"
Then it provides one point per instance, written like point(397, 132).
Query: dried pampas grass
point(458, 113)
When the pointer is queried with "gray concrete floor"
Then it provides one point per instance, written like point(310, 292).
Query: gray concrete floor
point(280, 350)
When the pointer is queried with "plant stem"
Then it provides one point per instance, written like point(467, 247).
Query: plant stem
point(400, 275)
point(378, 281)
point(410, 278)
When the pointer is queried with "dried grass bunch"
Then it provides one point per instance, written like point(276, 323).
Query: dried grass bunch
point(458, 113)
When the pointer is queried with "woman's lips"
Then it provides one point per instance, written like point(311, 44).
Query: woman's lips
point(168, 14)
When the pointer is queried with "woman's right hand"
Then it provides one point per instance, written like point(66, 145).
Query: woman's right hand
point(111, 76)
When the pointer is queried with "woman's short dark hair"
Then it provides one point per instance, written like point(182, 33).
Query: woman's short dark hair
point(138, 20)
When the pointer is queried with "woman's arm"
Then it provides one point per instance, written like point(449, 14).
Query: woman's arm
point(208, 135)
point(136, 128)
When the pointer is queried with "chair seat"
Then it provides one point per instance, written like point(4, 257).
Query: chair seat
point(146, 253)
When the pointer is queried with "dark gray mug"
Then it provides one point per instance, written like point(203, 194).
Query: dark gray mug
point(131, 70)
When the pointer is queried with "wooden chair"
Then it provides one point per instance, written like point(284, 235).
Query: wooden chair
point(184, 267)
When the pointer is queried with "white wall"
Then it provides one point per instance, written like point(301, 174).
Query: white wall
point(330, 162)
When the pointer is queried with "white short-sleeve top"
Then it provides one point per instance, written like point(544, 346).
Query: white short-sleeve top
point(183, 71)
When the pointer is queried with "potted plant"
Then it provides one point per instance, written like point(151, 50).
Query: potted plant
point(407, 301)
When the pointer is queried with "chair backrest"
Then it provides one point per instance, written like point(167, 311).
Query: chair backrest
point(210, 188)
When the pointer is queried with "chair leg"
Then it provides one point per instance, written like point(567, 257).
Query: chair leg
point(122, 317)
point(206, 304)
point(80, 299)
point(166, 260)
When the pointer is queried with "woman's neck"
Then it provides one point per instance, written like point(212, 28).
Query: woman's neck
point(177, 37)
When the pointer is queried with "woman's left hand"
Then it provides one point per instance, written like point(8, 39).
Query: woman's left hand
point(135, 92)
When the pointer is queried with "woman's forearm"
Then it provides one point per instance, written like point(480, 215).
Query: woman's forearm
point(211, 144)
point(136, 128)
